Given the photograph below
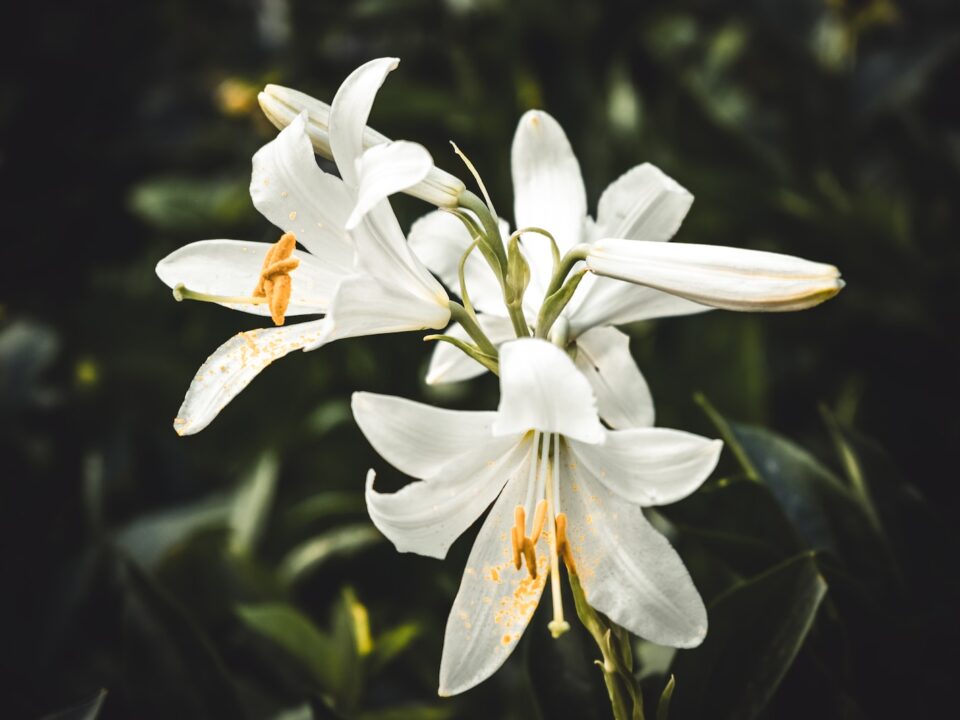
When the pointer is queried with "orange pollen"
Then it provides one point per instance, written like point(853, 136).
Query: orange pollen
point(563, 544)
point(275, 283)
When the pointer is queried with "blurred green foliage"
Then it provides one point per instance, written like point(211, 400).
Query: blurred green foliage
point(234, 574)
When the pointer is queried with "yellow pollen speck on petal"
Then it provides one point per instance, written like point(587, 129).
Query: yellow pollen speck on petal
point(293, 215)
point(506, 639)
point(284, 194)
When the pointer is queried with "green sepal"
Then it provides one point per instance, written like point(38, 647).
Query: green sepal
point(554, 304)
point(488, 361)
point(518, 273)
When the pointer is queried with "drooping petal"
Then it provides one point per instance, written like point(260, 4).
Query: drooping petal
point(628, 570)
point(350, 110)
point(232, 268)
point(365, 305)
point(387, 169)
point(541, 388)
point(419, 439)
point(623, 398)
point(439, 240)
point(650, 466)
point(291, 191)
point(604, 301)
point(426, 516)
point(450, 364)
point(495, 601)
point(234, 364)
point(548, 192)
point(642, 204)
point(723, 277)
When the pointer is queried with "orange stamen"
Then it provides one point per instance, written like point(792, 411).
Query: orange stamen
point(275, 283)
point(563, 544)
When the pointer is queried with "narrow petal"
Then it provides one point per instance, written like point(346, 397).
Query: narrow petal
point(541, 388)
point(642, 204)
point(604, 301)
point(234, 364)
point(439, 240)
point(495, 601)
point(623, 398)
point(232, 268)
point(350, 110)
point(724, 277)
point(650, 466)
point(291, 191)
point(427, 516)
point(449, 364)
point(365, 305)
point(419, 439)
point(628, 570)
point(387, 169)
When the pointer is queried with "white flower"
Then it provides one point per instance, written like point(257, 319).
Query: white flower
point(358, 269)
point(542, 457)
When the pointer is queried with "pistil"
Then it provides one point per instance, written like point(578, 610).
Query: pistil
point(558, 626)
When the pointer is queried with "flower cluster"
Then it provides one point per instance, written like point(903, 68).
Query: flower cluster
point(571, 457)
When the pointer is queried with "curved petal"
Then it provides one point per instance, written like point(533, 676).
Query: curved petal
point(426, 516)
point(541, 388)
point(642, 204)
point(495, 601)
point(365, 305)
point(439, 239)
point(650, 466)
point(628, 570)
point(291, 191)
point(450, 364)
point(232, 268)
point(418, 439)
point(350, 110)
point(234, 364)
point(387, 169)
point(724, 277)
point(623, 398)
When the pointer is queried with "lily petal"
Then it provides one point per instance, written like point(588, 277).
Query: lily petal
point(628, 570)
point(450, 364)
point(385, 170)
point(623, 398)
point(291, 191)
point(642, 204)
point(650, 466)
point(495, 601)
point(541, 388)
point(232, 268)
point(234, 364)
point(724, 277)
point(427, 516)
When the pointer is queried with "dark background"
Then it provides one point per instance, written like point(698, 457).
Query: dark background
point(829, 130)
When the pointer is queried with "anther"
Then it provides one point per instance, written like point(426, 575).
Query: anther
point(517, 537)
point(275, 283)
point(530, 555)
point(539, 518)
point(563, 545)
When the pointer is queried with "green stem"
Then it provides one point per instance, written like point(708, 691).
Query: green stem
point(573, 256)
point(479, 208)
point(460, 315)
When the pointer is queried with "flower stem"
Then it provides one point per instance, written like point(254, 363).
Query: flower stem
point(460, 315)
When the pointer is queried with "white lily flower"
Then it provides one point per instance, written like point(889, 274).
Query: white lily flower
point(357, 269)
point(543, 456)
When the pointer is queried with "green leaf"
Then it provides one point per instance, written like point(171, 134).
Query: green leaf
point(663, 707)
point(351, 641)
point(339, 542)
point(181, 204)
point(252, 503)
point(87, 710)
point(323, 506)
point(390, 644)
point(756, 630)
point(411, 712)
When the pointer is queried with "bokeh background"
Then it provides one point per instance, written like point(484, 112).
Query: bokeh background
point(234, 574)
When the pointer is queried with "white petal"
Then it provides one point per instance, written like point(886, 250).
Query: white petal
point(650, 466)
point(426, 516)
point(234, 364)
point(604, 301)
point(724, 277)
point(623, 398)
point(628, 570)
point(439, 240)
point(642, 204)
point(293, 193)
point(387, 169)
point(365, 305)
point(350, 110)
point(495, 601)
point(541, 389)
point(232, 268)
point(450, 364)
point(419, 439)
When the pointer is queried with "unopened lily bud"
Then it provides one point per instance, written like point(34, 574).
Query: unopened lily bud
point(718, 276)
point(281, 105)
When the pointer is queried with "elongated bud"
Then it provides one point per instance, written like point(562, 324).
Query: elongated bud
point(281, 105)
point(723, 277)
point(518, 272)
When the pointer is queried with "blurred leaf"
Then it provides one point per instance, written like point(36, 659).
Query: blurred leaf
point(330, 415)
point(351, 637)
point(87, 710)
point(756, 630)
point(27, 350)
point(412, 712)
point(148, 538)
point(251, 505)
point(183, 204)
point(339, 542)
point(663, 707)
point(301, 712)
point(323, 506)
point(391, 643)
